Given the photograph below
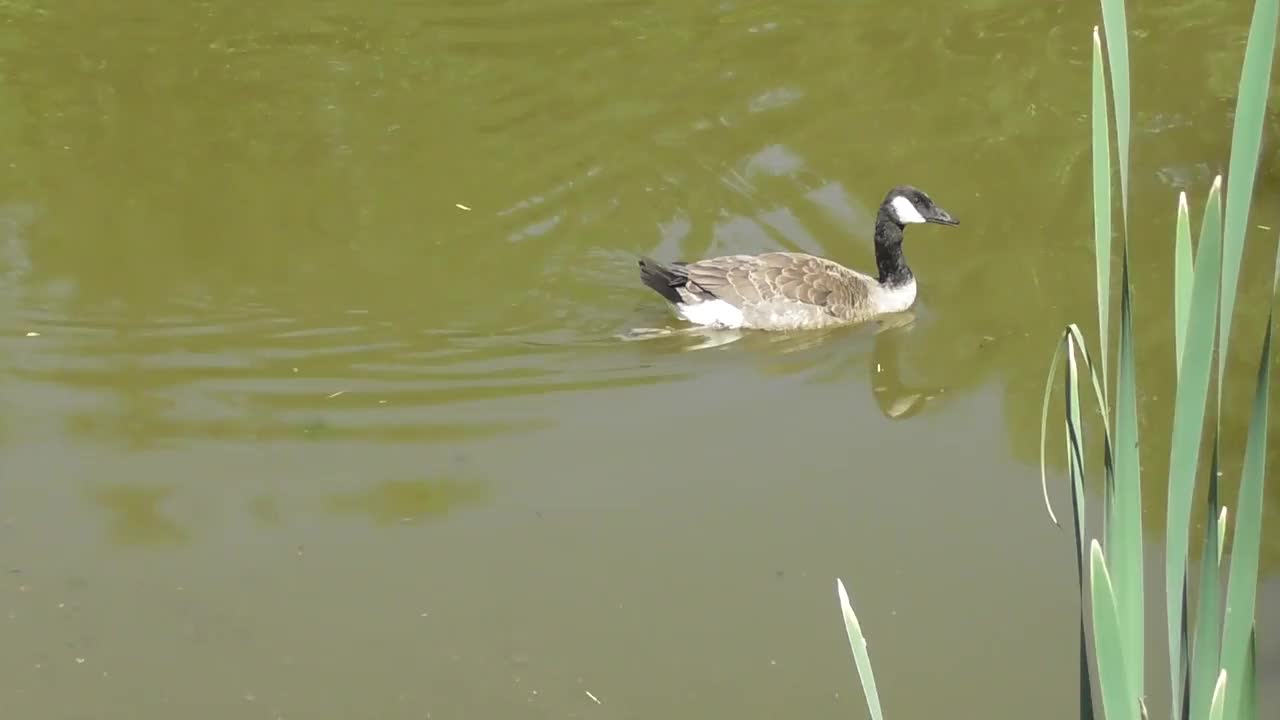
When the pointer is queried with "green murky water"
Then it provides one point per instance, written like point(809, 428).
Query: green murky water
point(313, 402)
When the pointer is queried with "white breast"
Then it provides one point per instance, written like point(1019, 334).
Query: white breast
point(894, 299)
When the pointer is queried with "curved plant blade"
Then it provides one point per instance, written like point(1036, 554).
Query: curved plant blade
point(1074, 429)
point(1044, 426)
point(1099, 396)
point(1072, 333)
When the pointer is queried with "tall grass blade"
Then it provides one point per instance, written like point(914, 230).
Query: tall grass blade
point(1075, 473)
point(1077, 507)
point(1183, 691)
point(1086, 679)
point(1219, 695)
point(1249, 682)
point(1222, 532)
point(1122, 521)
point(1117, 32)
point(1246, 140)
point(1101, 201)
point(1124, 526)
point(1119, 701)
point(1182, 267)
point(861, 658)
point(1188, 428)
point(1243, 583)
point(1210, 226)
point(1206, 657)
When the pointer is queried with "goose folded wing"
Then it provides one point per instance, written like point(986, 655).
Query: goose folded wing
point(746, 280)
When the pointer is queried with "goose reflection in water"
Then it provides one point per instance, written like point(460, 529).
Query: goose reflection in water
point(896, 398)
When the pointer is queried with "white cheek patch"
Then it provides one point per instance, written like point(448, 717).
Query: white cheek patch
point(906, 211)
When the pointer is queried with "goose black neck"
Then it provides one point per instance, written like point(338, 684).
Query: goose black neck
point(889, 260)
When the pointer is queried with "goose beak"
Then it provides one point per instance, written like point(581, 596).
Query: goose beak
point(941, 217)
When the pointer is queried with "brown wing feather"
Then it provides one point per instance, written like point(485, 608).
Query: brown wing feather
point(744, 280)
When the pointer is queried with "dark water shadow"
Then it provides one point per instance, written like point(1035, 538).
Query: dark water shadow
point(408, 502)
point(136, 517)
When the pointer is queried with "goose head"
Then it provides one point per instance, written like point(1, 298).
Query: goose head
point(907, 205)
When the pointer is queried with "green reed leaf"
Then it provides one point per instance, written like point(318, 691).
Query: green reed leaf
point(1101, 201)
point(1182, 267)
point(1078, 339)
point(1119, 701)
point(1075, 475)
point(1188, 428)
point(1210, 227)
point(1206, 658)
point(1124, 524)
point(1072, 338)
point(1074, 343)
point(1117, 32)
point(1246, 141)
point(1222, 532)
point(1044, 426)
point(1183, 709)
point(1249, 689)
point(1219, 695)
point(858, 643)
point(1242, 586)
point(1074, 426)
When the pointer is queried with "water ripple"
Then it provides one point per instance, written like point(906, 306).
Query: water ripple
point(274, 377)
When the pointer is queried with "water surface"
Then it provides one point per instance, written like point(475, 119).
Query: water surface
point(314, 402)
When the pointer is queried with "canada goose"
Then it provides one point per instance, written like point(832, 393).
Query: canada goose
point(790, 291)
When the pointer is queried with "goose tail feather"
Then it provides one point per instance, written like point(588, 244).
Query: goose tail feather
point(664, 278)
